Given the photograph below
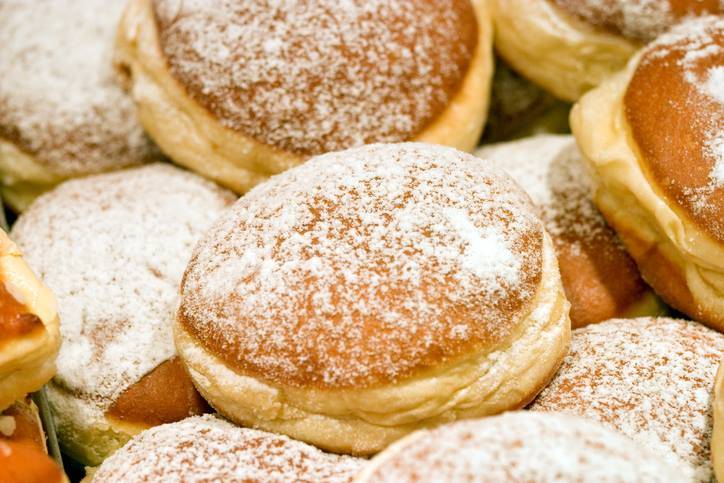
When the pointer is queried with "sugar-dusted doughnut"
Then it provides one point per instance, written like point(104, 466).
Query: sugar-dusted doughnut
point(209, 448)
point(518, 447)
point(239, 91)
point(717, 440)
point(600, 278)
point(654, 135)
point(570, 46)
point(371, 292)
point(61, 113)
point(113, 247)
point(649, 378)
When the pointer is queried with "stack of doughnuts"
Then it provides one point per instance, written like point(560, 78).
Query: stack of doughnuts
point(273, 256)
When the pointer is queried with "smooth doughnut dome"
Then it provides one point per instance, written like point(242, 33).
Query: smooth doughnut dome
point(208, 448)
point(113, 247)
point(361, 267)
point(649, 378)
point(315, 76)
point(518, 447)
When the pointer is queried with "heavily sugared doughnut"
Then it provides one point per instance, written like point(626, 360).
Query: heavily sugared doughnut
point(570, 46)
point(208, 448)
point(239, 91)
point(372, 292)
point(113, 247)
point(600, 279)
point(717, 440)
point(654, 135)
point(61, 113)
point(29, 327)
point(518, 447)
point(22, 462)
point(649, 378)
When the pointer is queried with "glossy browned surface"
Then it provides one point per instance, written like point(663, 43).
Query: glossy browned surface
point(15, 320)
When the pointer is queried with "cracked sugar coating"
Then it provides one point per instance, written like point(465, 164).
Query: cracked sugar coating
point(363, 266)
point(113, 248)
point(674, 105)
point(522, 447)
point(59, 101)
point(317, 76)
point(207, 448)
point(640, 20)
point(651, 379)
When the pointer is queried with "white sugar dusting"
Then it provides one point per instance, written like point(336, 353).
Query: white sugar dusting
point(112, 248)
point(58, 97)
point(651, 379)
point(358, 265)
point(316, 76)
point(207, 448)
point(522, 447)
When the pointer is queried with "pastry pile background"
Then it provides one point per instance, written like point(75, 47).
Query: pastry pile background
point(361, 241)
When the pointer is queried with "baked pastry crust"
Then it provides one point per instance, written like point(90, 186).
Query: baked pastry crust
point(192, 136)
point(655, 173)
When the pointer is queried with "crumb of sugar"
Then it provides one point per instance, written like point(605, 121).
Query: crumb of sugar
point(113, 247)
point(208, 448)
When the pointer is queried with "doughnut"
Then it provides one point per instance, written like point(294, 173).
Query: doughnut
point(209, 448)
point(21, 422)
point(600, 279)
point(21, 462)
point(649, 378)
point(113, 248)
point(239, 91)
point(519, 108)
point(570, 46)
point(518, 446)
point(717, 440)
point(62, 115)
point(29, 327)
point(653, 135)
point(371, 292)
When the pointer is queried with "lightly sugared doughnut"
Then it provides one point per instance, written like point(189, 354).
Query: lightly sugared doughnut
point(600, 279)
point(208, 448)
point(371, 292)
point(29, 327)
point(649, 378)
point(518, 447)
point(570, 46)
point(654, 135)
point(113, 248)
point(717, 440)
point(239, 91)
point(62, 114)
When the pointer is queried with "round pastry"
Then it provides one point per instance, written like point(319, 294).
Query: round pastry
point(717, 441)
point(517, 447)
point(21, 422)
point(61, 113)
point(208, 448)
point(239, 91)
point(654, 135)
point(372, 292)
point(113, 247)
point(29, 327)
point(21, 462)
point(600, 279)
point(649, 378)
point(570, 46)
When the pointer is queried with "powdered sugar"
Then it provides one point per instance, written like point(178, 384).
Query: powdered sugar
point(58, 98)
point(315, 76)
point(523, 447)
point(207, 448)
point(364, 265)
point(113, 248)
point(651, 379)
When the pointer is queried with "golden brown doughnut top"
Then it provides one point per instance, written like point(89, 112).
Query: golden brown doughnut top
point(59, 100)
point(365, 266)
point(316, 76)
point(637, 19)
point(15, 318)
point(674, 106)
point(208, 448)
point(649, 378)
point(23, 461)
